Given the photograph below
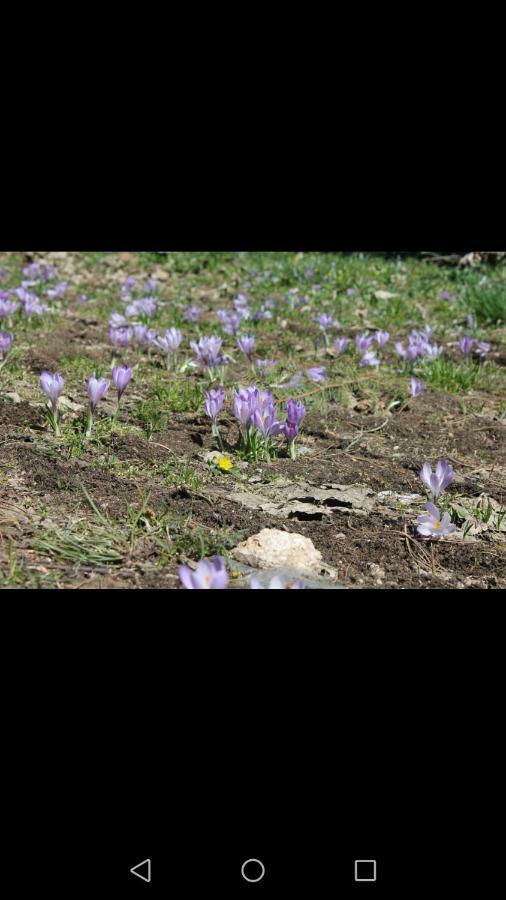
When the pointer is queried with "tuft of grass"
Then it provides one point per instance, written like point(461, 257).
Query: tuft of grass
point(486, 301)
point(449, 375)
point(82, 545)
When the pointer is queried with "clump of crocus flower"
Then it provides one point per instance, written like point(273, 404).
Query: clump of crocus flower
point(363, 342)
point(295, 412)
point(192, 313)
point(169, 343)
point(382, 338)
point(146, 306)
point(230, 321)
point(97, 388)
point(256, 412)
point(325, 321)
point(316, 373)
point(369, 358)
point(466, 344)
point(264, 364)
point(210, 574)
point(121, 337)
point(436, 482)
point(416, 386)
point(121, 375)
point(213, 402)
point(432, 525)
point(340, 344)
point(6, 339)
point(57, 291)
point(117, 320)
point(7, 307)
point(208, 353)
point(52, 386)
point(246, 344)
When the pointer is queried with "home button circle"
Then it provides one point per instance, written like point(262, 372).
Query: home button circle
point(253, 870)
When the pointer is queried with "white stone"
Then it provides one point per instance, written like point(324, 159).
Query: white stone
point(271, 548)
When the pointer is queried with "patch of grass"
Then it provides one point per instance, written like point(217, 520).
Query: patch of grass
point(184, 537)
point(180, 474)
point(81, 544)
point(449, 375)
point(486, 301)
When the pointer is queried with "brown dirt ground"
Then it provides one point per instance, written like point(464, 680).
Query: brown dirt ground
point(385, 459)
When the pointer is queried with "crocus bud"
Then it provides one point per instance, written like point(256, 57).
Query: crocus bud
point(52, 385)
point(97, 388)
point(121, 375)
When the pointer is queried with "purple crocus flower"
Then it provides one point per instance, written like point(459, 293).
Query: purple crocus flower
point(432, 525)
point(6, 339)
point(432, 351)
point(47, 273)
point(210, 574)
point(32, 270)
point(400, 349)
point(244, 403)
point(471, 321)
point(145, 307)
point(97, 388)
point(128, 284)
point(246, 343)
point(482, 348)
point(214, 400)
point(143, 335)
point(266, 422)
point(369, 359)
point(445, 295)
point(437, 481)
point(381, 338)
point(170, 341)
point(363, 342)
point(262, 314)
point(325, 321)
point(120, 337)
point(295, 412)
point(57, 291)
point(151, 285)
point(340, 344)
point(192, 313)
point(121, 375)
point(264, 364)
point(229, 321)
point(52, 385)
point(416, 386)
point(317, 373)
point(466, 345)
point(8, 307)
point(208, 350)
point(351, 292)
point(31, 303)
point(116, 320)
point(83, 298)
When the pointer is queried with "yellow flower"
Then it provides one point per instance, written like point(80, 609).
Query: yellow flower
point(225, 464)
